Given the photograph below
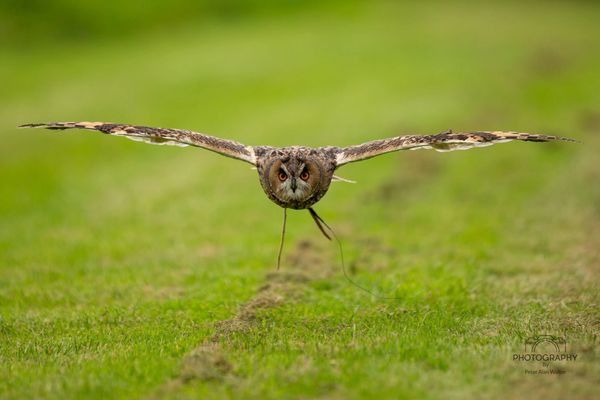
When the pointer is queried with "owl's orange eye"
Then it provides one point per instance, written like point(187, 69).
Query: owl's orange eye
point(304, 175)
point(282, 176)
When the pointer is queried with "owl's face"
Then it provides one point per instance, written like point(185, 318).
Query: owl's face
point(295, 180)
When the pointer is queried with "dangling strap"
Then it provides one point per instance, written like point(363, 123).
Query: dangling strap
point(319, 221)
point(322, 225)
point(282, 238)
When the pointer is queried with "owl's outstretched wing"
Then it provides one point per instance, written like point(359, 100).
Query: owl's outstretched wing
point(177, 137)
point(446, 141)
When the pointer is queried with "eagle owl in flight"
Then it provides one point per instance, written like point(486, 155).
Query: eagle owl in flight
point(297, 177)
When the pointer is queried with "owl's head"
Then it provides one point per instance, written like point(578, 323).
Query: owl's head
point(295, 178)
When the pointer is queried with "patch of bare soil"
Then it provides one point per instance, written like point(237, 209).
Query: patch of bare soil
point(307, 261)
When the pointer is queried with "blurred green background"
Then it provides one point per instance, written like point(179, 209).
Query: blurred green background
point(137, 271)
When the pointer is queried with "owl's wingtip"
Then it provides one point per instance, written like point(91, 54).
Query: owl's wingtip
point(47, 125)
point(29, 126)
point(563, 139)
point(569, 139)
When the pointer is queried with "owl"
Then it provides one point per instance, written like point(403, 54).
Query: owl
point(297, 177)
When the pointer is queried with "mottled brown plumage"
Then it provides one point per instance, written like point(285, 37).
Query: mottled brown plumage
point(297, 177)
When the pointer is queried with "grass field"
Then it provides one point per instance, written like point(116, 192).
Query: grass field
point(136, 271)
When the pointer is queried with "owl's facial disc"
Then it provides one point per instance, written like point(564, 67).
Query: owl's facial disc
point(294, 181)
point(295, 177)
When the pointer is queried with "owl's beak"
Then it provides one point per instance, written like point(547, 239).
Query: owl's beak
point(293, 184)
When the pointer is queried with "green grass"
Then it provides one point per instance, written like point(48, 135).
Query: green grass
point(135, 271)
